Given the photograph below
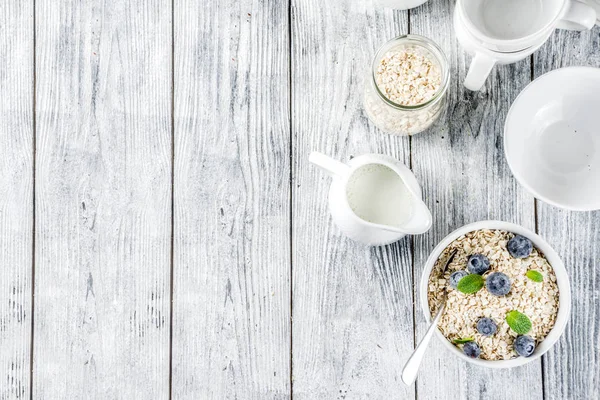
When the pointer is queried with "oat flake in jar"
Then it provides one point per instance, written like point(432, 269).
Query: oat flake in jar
point(405, 91)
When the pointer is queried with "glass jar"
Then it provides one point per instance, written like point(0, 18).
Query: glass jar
point(397, 119)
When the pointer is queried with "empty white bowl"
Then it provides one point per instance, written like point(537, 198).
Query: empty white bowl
point(552, 138)
point(562, 280)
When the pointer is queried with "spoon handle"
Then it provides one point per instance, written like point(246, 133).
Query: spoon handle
point(411, 368)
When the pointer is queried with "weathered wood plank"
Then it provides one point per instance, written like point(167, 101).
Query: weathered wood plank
point(352, 305)
point(103, 199)
point(231, 323)
point(16, 196)
point(466, 179)
point(572, 367)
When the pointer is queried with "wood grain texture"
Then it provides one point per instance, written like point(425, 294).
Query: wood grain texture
point(352, 305)
point(572, 366)
point(466, 179)
point(250, 103)
point(16, 196)
point(103, 199)
point(231, 324)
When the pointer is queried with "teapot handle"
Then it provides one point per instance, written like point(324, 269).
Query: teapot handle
point(333, 167)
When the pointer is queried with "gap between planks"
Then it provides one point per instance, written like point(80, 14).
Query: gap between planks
point(291, 202)
point(34, 151)
point(172, 259)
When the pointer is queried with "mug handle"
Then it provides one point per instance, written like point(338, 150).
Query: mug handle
point(479, 70)
point(579, 17)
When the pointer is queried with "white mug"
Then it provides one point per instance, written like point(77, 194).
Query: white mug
point(506, 31)
point(398, 4)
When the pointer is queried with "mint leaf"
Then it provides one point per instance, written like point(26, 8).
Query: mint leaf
point(518, 322)
point(470, 284)
point(463, 340)
point(534, 275)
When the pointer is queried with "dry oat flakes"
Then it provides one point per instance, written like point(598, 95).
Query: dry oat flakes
point(538, 301)
point(406, 92)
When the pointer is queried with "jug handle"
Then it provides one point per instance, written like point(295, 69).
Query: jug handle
point(480, 68)
point(333, 167)
point(579, 17)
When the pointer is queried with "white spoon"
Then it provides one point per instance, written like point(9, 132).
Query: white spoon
point(411, 368)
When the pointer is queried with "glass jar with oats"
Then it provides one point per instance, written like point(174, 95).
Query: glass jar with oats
point(405, 90)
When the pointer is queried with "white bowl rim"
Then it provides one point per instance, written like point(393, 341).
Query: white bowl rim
point(517, 175)
point(562, 280)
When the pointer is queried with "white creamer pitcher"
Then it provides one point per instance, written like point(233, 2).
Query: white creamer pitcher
point(374, 199)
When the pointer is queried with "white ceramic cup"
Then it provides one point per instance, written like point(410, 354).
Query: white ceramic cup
point(562, 280)
point(485, 59)
point(501, 30)
point(398, 4)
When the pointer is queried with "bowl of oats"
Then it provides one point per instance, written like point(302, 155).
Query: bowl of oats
point(507, 299)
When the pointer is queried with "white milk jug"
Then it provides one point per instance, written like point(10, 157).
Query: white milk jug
point(375, 199)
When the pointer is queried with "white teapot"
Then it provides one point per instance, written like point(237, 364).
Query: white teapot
point(375, 199)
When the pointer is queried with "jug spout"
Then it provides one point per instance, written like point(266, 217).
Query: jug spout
point(419, 222)
point(333, 167)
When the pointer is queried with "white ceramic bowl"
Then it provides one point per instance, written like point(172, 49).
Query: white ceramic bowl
point(552, 138)
point(562, 280)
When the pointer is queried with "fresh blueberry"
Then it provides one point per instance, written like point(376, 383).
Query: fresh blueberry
point(519, 247)
point(457, 276)
point(498, 284)
point(486, 326)
point(478, 264)
point(471, 349)
point(524, 345)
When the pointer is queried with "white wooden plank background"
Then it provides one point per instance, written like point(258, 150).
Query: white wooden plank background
point(16, 195)
point(169, 141)
point(352, 305)
point(231, 323)
point(572, 366)
point(466, 179)
point(103, 199)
